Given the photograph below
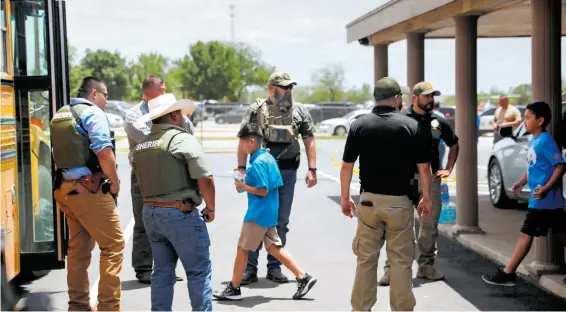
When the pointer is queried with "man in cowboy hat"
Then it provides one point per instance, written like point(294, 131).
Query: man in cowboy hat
point(281, 120)
point(435, 128)
point(152, 87)
point(174, 180)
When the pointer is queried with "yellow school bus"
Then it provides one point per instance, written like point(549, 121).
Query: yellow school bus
point(34, 84)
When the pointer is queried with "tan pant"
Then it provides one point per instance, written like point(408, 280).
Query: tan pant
point(92, 218)
point(428, 230)
point(390, 219)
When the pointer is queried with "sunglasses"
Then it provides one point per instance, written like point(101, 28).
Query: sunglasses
point(289, 87)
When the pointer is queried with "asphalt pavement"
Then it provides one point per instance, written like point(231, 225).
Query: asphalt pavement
point(320, 239)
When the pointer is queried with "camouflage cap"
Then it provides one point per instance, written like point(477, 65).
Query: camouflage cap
point(281, 79)
point(386, 88)
point(425, 88)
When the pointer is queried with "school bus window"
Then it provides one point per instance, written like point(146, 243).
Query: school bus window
point(29, 38)
point(4, 38)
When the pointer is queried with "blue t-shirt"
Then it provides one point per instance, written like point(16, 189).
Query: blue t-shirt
point(263, 172)
point(542, 156)
point(96, 128)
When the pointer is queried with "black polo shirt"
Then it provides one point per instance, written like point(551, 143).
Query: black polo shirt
point(438, 129)
point(389, 145)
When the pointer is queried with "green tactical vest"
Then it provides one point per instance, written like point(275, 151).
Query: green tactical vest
point(277, 125)
point(70, 147)
point(158, 171)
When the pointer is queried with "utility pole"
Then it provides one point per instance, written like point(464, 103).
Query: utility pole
point(232, 22)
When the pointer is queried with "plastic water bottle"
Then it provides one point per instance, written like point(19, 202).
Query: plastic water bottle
point(448, 212)
point(238, 177)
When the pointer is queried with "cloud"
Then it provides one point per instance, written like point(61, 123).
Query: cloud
point(298, 36)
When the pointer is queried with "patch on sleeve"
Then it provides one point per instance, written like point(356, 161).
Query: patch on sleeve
point(557, 156)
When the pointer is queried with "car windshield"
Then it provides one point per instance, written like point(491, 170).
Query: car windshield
point(350, 115)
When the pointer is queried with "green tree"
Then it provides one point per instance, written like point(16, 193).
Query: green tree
point(76, 71)
point(524, 93)
point(359, 95)
point(112, 68)
point(328, 83)
point(148, 64)
point(215, 69)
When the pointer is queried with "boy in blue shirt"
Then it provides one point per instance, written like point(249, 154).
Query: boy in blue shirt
point(261, 182)
point(546, 203)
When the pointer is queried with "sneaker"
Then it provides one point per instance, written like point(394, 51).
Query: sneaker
point(304, 285)
point(248, 278)
point(429, 273)
point(276, 276)
point(144, 277)
point(385, 280)
point(500, 278)
point(229, 293)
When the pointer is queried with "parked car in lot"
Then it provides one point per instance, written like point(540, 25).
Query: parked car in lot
point(232, 116)
point(119, 108)
point(449, 113)
point(507, 163)
point(486, 118)
point(341, 126)
point(327, 110)
point(115, 120)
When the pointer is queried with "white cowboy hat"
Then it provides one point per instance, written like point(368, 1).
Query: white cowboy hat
point(165, 104)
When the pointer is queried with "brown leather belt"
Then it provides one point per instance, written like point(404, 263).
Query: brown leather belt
point(178, 204)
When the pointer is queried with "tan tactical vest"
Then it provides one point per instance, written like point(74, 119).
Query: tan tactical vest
point(277, 124)
point(70, 147)
point(158, 171)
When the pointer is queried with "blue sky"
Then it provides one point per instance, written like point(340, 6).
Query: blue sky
point(295, 36)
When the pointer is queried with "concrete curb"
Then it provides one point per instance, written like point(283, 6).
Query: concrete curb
point(550, 282)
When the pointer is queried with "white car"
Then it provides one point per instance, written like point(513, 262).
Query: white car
point(115, 120)
point(341, 126)
point(486, 118)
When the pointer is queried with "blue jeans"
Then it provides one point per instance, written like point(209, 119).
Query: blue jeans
point(286, 192)
point(174, 235)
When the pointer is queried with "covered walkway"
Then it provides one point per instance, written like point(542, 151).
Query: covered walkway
point(466, 21)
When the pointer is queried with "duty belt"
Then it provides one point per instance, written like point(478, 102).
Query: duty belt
point(91, 183)
point(176, 204)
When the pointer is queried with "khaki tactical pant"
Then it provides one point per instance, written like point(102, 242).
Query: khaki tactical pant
point(390, 219)
point(92, 218)
point(428, 230)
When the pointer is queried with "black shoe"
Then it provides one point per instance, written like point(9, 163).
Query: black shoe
point(229, 293)
point(248, 278)
point(144, 277)
point(276, 276)
point(500, 278)
point(304, 285)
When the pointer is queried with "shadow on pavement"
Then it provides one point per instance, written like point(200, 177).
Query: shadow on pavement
point(262, 283)
point(463, 269)
point(250, 302)
point(133, 284)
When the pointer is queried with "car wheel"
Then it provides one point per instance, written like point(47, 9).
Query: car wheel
point(340, 131)
point(220, 120)
point(497, 193)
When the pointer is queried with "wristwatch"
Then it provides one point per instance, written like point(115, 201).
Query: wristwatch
point(312, 169)
point(242, 167)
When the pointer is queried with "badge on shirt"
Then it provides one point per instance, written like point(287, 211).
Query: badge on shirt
point(434, 123)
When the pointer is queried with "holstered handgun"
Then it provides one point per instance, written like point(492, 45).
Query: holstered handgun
point(92, 183)
point(106, 189)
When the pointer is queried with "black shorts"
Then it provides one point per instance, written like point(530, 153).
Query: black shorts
point(539, 221)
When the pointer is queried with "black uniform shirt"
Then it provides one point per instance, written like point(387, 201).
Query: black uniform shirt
point(389, 145)
point(438, 129)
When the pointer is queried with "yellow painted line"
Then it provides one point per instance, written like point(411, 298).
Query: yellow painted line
point(357, 172)
point(339, 165)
